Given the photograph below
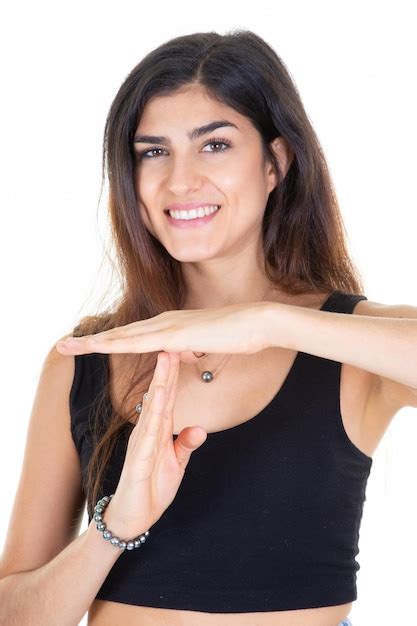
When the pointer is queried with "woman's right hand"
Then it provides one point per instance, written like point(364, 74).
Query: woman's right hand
point(155, 464)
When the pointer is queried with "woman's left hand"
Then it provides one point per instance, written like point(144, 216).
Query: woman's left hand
point(231, 329)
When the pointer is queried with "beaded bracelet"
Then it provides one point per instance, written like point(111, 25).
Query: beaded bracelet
point(129, 544)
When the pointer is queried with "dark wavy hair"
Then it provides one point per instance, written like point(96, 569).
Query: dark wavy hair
point(304, 238)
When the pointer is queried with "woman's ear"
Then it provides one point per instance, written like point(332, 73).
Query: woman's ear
point(284, 156)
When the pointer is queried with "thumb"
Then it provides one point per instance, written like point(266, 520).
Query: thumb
point(188, 440)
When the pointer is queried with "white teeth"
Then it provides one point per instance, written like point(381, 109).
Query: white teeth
point(194, 213)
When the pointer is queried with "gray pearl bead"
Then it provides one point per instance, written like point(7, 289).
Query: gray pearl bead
point(107, 534)
point(207, 376)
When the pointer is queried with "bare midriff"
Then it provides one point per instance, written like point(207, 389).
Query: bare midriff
point(105, 613)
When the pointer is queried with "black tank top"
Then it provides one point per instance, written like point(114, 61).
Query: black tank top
point(268, 514)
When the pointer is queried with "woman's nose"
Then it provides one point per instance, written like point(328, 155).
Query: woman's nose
point(184, 175)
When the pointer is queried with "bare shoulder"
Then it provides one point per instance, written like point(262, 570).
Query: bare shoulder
point(370, 402)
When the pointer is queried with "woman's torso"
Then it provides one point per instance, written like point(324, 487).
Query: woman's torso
point(245, 386)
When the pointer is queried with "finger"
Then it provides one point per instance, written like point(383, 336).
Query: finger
point(171, 393)
point(147, 432)
point(166, 420)
point(148, 397)
point(151, 324)
point(147, 438)
point(152, 424)
point(172, 382)
point(130, 344)
point(189, 439)
point(125, 339)
point(157, 395)
point(159, 321)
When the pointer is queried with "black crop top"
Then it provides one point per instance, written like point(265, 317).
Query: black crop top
point(267, 516)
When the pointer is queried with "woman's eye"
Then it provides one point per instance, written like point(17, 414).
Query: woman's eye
point(218, 142)
point(145, 154)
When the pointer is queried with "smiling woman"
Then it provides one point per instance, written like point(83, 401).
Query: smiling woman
point(231, 176)
point(247, 492)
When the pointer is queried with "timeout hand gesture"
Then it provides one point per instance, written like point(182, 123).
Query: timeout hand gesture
point(155, 464)
point(231, 329)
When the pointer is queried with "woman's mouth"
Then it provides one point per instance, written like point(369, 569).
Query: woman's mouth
point(191, 219)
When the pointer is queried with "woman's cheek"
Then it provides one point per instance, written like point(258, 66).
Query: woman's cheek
point(144, 216)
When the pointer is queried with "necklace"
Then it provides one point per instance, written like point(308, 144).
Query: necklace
point(208, 375)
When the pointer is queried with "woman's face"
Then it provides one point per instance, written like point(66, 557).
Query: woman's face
point(202, 169)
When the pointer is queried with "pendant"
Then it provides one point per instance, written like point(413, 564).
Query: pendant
point(207, 376)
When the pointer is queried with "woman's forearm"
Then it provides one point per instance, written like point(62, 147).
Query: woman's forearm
point(62, 590)
point(386, 346)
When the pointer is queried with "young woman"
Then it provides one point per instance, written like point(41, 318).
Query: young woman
point(231, 492)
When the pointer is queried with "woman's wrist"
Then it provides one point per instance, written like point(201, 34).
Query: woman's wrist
point(119, 535)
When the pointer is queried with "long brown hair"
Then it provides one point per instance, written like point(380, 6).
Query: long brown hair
point(304, 238)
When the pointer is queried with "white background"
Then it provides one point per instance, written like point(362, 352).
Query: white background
point(62, 63)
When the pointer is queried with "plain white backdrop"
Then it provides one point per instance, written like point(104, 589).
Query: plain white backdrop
point(61, 65)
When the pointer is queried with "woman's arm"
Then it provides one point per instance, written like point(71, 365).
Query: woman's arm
point(48, 575)
point(61, 591)
point(378, 338)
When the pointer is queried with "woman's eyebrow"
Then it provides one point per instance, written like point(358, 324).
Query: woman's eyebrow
point(193, 134)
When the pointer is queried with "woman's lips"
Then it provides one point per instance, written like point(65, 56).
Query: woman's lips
point(194, 223)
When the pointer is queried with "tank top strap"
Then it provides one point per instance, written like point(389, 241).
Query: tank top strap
point(89, 375)
point(340, 302)
point(87, 388)
point(318, 396)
